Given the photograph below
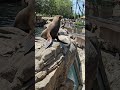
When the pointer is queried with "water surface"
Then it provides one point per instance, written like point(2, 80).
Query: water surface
point(38, 31)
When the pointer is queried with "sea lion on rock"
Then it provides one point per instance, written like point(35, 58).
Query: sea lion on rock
point(47, 24)
point(25, 18)
point(51, 32)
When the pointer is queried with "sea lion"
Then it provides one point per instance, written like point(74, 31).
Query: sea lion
point(51, 32)
point(25, 18)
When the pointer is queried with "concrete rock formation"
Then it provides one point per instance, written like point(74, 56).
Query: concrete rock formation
point(93, 56)
point(15, 74)
point(112, 69)
point(52, 65)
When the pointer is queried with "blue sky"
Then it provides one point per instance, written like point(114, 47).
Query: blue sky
point(74, 5)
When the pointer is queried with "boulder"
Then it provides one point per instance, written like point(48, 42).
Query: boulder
point(52, 65)
point(16, 67)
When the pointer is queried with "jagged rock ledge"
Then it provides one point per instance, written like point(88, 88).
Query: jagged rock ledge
point(52, 65)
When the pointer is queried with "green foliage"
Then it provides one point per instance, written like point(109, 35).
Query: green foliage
point(54, 7)
point(79, 23)
point(64, 7)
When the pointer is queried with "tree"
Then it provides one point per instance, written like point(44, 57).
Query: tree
point(64, 7)
point(53, 7)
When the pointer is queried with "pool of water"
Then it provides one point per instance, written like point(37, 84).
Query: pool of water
point(38, 31)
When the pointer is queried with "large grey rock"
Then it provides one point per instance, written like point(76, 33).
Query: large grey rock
point(4, 84)
point(81, 53)
point(112, 69)
point(16, 66)
point(52, 65)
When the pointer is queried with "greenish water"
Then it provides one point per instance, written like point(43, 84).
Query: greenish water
point(38, 31)
point(73, 76)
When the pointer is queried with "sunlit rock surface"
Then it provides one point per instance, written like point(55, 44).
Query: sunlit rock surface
point(52, 65)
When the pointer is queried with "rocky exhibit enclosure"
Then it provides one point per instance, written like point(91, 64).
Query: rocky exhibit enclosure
point(25, 62)
point(16, 67)
point(61, 66)
point(17, 54)
point(107, 32)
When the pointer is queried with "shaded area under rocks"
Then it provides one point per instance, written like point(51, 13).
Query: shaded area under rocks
point(16, 68)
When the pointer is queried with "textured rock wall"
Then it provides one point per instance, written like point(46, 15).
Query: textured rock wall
point(8, 11)
point(112, 69)
point(112, 43)
point(92, 57)
point(108, 34)
point(52, 65)
point(16, 67)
